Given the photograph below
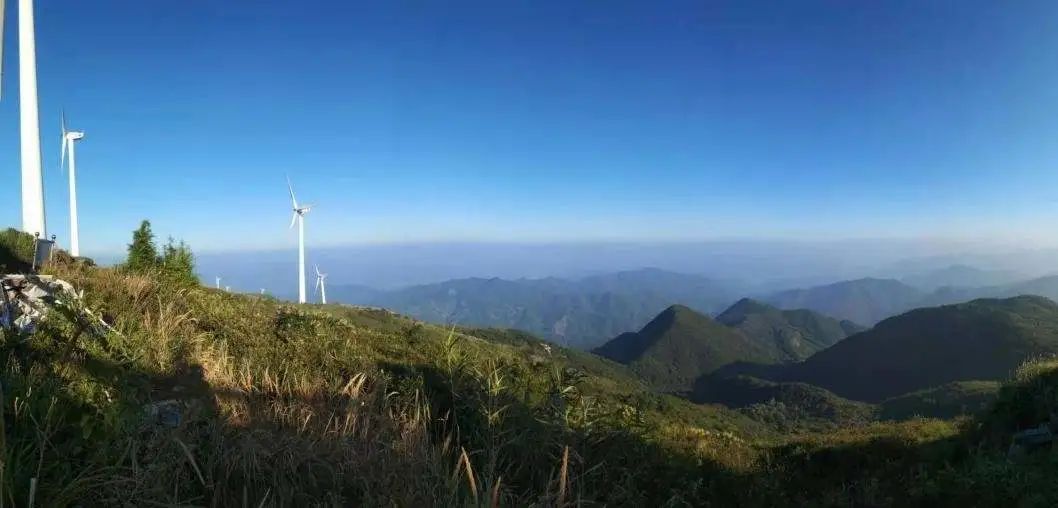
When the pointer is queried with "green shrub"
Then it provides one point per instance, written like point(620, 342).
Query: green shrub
point(16, 251)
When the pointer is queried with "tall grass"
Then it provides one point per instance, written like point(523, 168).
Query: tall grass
point(282, 405)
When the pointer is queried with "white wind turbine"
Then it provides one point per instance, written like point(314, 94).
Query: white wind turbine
point(299, 217)
point(218, 282)
point(68, 142)
point(29, 119)
point(321, 284)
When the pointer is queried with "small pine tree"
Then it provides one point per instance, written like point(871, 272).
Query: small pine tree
point(143, 254)
point(178, 262)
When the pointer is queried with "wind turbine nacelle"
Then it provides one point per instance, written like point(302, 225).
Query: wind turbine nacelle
point(74, 136)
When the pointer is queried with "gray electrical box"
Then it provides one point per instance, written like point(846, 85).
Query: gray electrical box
point(42, 252)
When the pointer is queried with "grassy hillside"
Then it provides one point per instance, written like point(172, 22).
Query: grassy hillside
point(946, 401)
point(979, 340)
point(786, 407)
point(680, 345)
point(794, 334)
point(199, 397)
point(202, 397)
point(864, 301)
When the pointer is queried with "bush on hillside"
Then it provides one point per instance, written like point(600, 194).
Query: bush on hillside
point(16, 251)
point(176, 261)
point(143, 253)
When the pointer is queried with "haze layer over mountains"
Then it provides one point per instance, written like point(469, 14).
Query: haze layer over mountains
point(588, 311)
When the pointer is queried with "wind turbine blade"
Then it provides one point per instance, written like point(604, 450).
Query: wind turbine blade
point(317, 268)
point(293, 219)
point(289, 186)
point(62, 115)
point(62, 160)
point(317, 282)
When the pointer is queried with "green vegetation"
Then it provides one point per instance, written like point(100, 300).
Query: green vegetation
point(794, 334)
point(949, 400)
point(176, 261)
point(16, 251)
point(786, 407)
point(192, 396)
point(679, 346)
point(203, 397)
point(979, 340)
point(143, 253)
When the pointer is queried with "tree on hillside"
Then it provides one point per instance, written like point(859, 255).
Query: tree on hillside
point(143, 254)
point(178, 262)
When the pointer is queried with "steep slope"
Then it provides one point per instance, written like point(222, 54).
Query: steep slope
point(864, 301)
point(795, 334)
point(680, 345)
point(578, 313)
point(980, 340)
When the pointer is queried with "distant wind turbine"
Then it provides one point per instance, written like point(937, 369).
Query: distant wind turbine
point(321, 284)
point(299, 217)
point(218, 282)
point(68, 139)
point(29, 119)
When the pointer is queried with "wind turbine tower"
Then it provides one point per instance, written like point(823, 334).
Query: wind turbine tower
point(29, 124)
point(68, 142)
point(321, 284)
point(299, 217)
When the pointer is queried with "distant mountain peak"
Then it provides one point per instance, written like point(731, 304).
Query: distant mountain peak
point(867, 300)
point(679, 345)
point(746, 306)
point(793, 334)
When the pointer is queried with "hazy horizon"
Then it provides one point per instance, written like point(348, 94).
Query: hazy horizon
point(763, 264)
point(550, 122)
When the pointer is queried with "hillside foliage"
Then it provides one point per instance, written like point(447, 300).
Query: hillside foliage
point(151, 391)
point(793, 334)
point(176, 261)
point(984, 339)
point(679, 346)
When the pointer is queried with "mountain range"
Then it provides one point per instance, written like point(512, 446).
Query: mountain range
point(681, 345)
point(923, 349)
point(985, 339)
point(864, 301)
point(580, 313)
point(586, 312)
point(793, 334)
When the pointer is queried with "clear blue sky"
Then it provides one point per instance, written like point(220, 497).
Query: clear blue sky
point(533, 121)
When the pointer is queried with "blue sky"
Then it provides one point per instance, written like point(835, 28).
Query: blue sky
point(546, 121)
